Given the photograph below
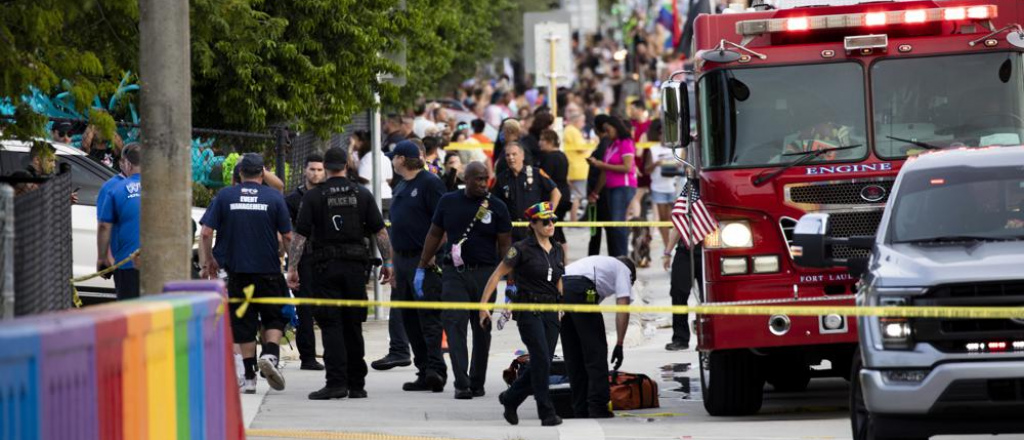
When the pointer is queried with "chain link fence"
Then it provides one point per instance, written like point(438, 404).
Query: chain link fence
point(307, 143)
point(42, 247)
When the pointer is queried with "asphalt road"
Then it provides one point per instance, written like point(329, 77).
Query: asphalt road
point(821, 412)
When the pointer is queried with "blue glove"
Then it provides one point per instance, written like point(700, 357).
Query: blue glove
point(417, 281)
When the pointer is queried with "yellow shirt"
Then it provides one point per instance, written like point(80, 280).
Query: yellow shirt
point(577, 150)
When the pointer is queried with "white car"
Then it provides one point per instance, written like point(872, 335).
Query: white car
point(88, 176)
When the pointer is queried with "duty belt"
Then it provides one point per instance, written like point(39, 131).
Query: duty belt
point(352, 252)
point(537, 298)
point(589, 292)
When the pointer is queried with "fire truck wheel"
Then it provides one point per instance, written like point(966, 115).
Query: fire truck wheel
point(788, 375)
point(861, 420)
point(732, 382)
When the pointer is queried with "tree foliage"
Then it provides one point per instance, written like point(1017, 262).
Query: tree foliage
point(308, 63)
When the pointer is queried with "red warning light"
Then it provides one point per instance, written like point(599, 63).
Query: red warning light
point(938, 181)
point(874, 19)
point(915, 16)
point(952, 14)
point(798, 24)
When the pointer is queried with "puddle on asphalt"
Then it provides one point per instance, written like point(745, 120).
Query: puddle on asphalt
point(677, 373)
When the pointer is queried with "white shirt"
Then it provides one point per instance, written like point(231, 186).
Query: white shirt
point(662, 156)
point(611, 277)
point(387, 172)
point(420, 125)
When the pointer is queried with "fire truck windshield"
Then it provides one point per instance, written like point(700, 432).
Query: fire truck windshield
point(974, 100)
point(765, 117)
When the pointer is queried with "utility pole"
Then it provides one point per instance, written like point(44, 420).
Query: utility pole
point(165, 77)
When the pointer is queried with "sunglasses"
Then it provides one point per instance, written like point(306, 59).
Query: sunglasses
point(545, 222)
point(63, 133)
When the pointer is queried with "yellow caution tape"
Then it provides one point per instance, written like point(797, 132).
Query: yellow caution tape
point(74, 291)
point(327, 435)
point(886, 311)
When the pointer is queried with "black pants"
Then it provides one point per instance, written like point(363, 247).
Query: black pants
point(680, 287)
point(423, 327)
point(586, 351)
point(126, 283)
point(603, 214)
point(305, 338)
point(342, 328)
point(466, 285)
point(539, 331)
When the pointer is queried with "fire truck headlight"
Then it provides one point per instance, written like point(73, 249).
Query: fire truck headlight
point(736, 234)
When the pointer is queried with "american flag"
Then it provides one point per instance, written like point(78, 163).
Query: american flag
point(703, 222)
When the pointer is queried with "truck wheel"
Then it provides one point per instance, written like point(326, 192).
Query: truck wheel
point(732, 383)
point(861, 419)
point(788, 374)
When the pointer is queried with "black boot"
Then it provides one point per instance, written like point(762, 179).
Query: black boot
point(327, 393)
point(510, 411)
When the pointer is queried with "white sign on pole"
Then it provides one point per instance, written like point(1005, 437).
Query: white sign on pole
point(530, 20)
point(543, 33)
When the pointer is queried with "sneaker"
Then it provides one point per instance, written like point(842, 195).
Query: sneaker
point(390, 361)
point(248, 386)
point(239, 370)
point(326, 393)
point(677, 346)
point(269, 369)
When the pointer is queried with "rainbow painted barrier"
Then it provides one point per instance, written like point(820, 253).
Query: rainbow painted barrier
point(154, 368)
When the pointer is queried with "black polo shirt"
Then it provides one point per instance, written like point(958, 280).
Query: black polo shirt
point(412, 202)
point(537, 271)
point(594, 175)
point(456, 211)
point(522, 191)
point(556, 165)
point(313, 221)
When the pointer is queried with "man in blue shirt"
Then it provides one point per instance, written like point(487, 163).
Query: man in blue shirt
point(101, 199)
point(415, 199)
point(248, 219)
point(479, 229)
point(118, 212)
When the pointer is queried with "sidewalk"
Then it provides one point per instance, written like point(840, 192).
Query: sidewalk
point(392, 411)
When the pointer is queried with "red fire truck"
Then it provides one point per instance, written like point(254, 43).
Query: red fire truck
point(805, 108)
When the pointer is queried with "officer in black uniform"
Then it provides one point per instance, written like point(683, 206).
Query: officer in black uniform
point(339, 216)
point(415, 199)
point(522, 186)
point(681, 285)
point(478, 228)
point(305, 339)
point(538, 263)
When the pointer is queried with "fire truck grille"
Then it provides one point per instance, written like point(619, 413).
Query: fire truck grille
point(849, 224)
point(846, 193)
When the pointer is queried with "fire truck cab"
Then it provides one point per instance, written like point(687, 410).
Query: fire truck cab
point(811, 108)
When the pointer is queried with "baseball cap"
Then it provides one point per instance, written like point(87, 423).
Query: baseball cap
point(251, 163)
point(335, 159)
point(404, 149)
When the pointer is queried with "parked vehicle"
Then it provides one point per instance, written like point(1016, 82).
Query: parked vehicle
point(88, 176)
point(952, 235)
point(803, 107)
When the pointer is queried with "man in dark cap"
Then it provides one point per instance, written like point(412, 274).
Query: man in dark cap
point(248, 219)
point(339, 216)
point(61, 132)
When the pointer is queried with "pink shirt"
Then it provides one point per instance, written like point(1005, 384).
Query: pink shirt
point(618, 149)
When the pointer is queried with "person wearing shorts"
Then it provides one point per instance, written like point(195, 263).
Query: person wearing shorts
point(248, 219)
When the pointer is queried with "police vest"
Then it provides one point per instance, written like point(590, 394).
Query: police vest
point(342, 235)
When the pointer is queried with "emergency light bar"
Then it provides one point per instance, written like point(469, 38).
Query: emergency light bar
point(867, 19)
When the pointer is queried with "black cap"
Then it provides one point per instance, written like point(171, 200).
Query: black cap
point(251, 163)
point(405, 149)
point(335, 159)
point(64, 126)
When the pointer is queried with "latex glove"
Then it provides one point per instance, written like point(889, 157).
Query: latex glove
point(617, 357)
point(417, 281)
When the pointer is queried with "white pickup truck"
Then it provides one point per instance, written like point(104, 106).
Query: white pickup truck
point(88, 176)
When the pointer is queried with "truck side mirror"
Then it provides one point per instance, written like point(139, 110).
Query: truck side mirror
point(675, 114)
point(809, 236)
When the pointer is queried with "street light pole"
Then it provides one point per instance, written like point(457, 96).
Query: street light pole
point(166, 104)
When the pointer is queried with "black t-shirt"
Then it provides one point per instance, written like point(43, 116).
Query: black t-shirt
point(556, 165)
point(313, 220)
point(522, 191)
point(294, 201)
point(106, 157)
point(412, 202)
point(456, 211)
point(247, 219)
point(594, 175)
point(536, 271)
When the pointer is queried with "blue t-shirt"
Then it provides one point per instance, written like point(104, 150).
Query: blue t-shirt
point(454, 213)
point(247, 219)
point(101, 198)
point(413, 201)
point(121, 207)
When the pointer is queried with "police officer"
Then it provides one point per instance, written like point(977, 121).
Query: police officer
point(478, 228)
point(589, 281)
point(339, 216)
point(305, 339)
point(681, 285)
point(538, 263)
point(248, 218)
point(415, 199)
point(521, 186)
